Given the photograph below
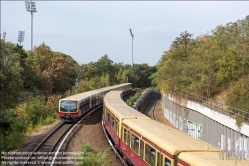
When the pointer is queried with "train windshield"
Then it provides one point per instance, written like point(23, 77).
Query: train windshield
point(68, 106)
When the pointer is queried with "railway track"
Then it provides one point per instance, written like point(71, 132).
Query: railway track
point(149, 108)
point(91, 131)
point(47, 152)
point(117, 155)
point(45, 149)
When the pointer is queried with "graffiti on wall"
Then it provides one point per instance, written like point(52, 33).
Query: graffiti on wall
point(194, 129)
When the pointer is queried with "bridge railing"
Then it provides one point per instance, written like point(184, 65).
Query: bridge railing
point(240, 115)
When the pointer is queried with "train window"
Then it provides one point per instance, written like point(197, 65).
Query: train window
point(159, 159)
point(112, 123)
point(125, 135)
point(68, 106)
point(134, 143)
point(105, 114)
point(167, 162)
point(128, 138)
point(150, 155)
point(116, 126)
point(141, 148)
point(109, 118)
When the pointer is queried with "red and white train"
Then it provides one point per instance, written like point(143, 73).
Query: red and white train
point(73, 107)
point(143, 141)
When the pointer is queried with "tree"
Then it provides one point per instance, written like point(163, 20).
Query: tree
point(203, 60)
point(229, 66)
point(10, 74)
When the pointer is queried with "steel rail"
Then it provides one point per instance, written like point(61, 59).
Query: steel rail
point(153, 111)
point(62, 142)
point(44, 162)
point(45, 139)
point(113, 147)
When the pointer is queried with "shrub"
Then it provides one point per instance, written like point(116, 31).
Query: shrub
point(26, 117)
point(92, 157)
point(134, 98)
point(15, 140)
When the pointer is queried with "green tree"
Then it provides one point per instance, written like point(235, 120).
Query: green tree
point(203, 60)
point(10, 74)
point(229, 66)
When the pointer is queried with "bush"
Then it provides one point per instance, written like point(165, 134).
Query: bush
point(239, 95)
point(36, 110)
point(92, 157)
point(52, 104)
point(26, 117)
point(134, 98)
point(15, 140)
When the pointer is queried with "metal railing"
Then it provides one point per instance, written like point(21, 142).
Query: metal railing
point(225, 109)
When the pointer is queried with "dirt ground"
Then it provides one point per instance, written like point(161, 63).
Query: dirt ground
point(159, 114)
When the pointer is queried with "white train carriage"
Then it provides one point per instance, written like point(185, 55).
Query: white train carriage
point(73, 107)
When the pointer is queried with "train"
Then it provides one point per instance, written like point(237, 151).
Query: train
point(142, 141)
point(73, 107)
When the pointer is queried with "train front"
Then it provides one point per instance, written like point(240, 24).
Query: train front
point(68, 110)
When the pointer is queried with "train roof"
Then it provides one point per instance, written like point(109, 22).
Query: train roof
point(83, 95)
point(212, 159)
point(169, 139)
point(119, 108)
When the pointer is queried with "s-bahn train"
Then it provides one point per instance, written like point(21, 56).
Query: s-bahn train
point(143, 141)
point(73, 107)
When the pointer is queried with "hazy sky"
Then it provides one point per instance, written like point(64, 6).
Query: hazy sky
point(87, 30)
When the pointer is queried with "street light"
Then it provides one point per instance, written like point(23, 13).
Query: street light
point(76, 84)
point(30, 7)
point(131, 47)
point(21, 36)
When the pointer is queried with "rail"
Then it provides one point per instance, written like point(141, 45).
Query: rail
point(214, 105)
point(41, 143)
point(239, 115)
point(64, 139)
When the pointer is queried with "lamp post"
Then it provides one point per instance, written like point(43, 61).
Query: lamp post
point(132, 36)
point(30, 7)
point(76, 85)
point(20, 36)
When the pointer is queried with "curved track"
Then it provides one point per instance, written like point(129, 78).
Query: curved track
point(48, 150)
point(91, 131)
point(45, 149)
point(149, 108)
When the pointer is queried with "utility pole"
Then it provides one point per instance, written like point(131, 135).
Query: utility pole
point(132, 36)
point(76, 85)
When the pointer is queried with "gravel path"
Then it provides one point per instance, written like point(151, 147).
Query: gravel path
point(159, 114)
point(90, 131)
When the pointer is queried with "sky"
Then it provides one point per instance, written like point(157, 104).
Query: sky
point(87, 30)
